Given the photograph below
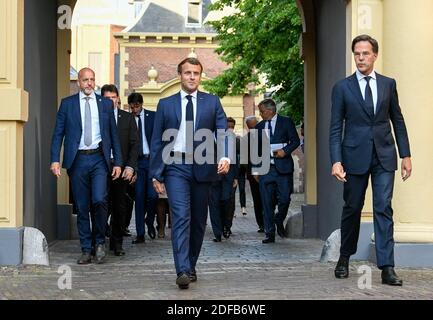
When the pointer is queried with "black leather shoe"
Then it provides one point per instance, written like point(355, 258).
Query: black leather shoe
point(390, 277)
point(85, 258)
point(217, 239)
point(261, 230)
point(100, 253)
point(269, 240)
point(183, 280)
point(342, 268)
point(118, 251)
point(138, 239)
point(227, 233)
point(193, 276)
point(151, 232)
point(280, 229)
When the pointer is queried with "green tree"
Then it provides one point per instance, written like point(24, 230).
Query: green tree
point(261, 38)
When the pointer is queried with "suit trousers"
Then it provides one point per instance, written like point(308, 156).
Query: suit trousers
point(188, 200)
point(88, 176)
point(119, 209)
point(145, 198)
point(258, 208)
point(219, 209)
point(274, 185)
point(354, 196)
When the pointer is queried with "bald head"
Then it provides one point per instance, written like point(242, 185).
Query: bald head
point(86, 81)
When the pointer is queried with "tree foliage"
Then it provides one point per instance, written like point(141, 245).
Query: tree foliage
point(261, 38)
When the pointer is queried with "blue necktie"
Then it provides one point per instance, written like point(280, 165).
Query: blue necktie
point(368, 96)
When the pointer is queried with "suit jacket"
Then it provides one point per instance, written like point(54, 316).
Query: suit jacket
point(363, 130)
point(69, 126)
point(127, 131)
point(209, 115)
point(284, 132)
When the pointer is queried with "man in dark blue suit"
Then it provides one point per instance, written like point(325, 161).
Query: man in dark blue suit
point(278, 182)
point(176, 168)
point(86, 123)
point(363, 107)
point(145, 195)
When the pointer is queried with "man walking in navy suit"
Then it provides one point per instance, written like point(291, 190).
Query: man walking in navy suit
point(278, 182)
point(363, 107)
point(145, 195)
point(186, 180)
point(86, 123)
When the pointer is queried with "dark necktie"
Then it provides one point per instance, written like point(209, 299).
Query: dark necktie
point(368, 96)
point(140, 137)
point(189, 109)
point(189, 117)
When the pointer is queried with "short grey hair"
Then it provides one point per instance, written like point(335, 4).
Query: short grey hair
point(250, 118)
point(269, 104)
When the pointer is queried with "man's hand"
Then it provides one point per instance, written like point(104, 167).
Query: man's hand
point(55, 169)
point(116, 172)
point(338, 172)
point(256, 177)
point(279, 153)
point(134, 178)
point(235, 183)
point(127, 174)
point(223, 166)
point(159, 187)
point(406, 168)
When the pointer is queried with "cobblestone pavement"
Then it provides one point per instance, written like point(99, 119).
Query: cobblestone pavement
point(238, 268)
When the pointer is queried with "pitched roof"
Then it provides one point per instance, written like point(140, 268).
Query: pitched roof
point(159, 19)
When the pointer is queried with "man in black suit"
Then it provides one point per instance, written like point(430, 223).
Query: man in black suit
point(251, 123)
point(222, 196)
point(364, 105)
point(118, 198)
point(278, 182)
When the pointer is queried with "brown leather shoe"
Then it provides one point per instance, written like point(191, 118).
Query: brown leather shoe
point(85, 258)
point(183, 280)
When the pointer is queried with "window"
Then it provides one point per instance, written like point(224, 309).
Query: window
point(95, 63)
point(193, 16)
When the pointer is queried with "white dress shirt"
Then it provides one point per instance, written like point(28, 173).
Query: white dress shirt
point(96, 130)
point(180, 143)
point(146, 150)
point(373, 85)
